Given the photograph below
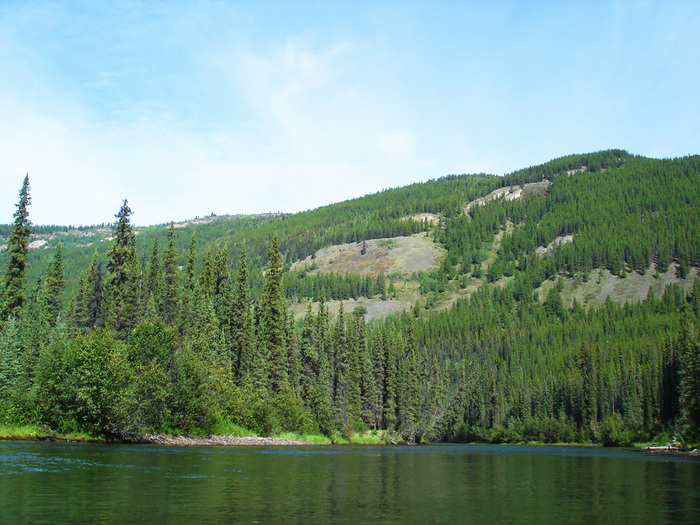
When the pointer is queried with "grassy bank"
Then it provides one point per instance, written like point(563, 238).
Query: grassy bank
point(373, 437)
point(39, 433)
point(30, 432)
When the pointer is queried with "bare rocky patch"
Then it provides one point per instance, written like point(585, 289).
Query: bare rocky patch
point(510, 193)
point(562, 239)
point(396, 255)
point(603, 285)
point(154, 439)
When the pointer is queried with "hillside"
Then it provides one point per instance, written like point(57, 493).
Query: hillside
point(556, 303)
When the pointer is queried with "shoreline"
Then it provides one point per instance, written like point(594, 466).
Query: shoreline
point(250, 441)
point(30, 433)
point(670, 450)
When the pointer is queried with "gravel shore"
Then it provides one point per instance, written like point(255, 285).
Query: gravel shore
point(221, 441)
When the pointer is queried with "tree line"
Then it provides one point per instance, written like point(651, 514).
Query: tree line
point(144, 346)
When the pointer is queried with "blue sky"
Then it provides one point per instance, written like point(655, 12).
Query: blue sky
point(188, 108)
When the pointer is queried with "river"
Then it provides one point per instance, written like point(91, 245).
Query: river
point(91, 483)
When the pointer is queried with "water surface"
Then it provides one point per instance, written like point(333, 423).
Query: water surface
point(79, 483)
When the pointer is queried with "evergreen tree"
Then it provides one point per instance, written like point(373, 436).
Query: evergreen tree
point(273, 320)
point(123, 275)
point(590, 380)
point(369, 388)
point(220, 271)
point(689, 350)
point(206, 278)
point(95, 310)
point(408, 387)
point(170, 279)
point(55, 283)
point(17, 249)
point(88, 308)
point(241, 323)
point(190, 266)
point(10, 366)
point(356, 348)
point(154, 280)
point(390, 384)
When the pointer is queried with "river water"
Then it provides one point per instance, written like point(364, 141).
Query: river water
point(87, 483)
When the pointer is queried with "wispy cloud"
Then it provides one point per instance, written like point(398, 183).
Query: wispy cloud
point(192, 108)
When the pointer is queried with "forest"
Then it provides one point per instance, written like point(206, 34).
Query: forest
point(189, 330)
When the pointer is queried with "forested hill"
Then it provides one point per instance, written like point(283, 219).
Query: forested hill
point(556, 303)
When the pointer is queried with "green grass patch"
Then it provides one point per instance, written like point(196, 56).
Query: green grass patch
point(389, 244)
point(369, 438)
point(14, 431)
point(37, 432)
point(225, 427)
point(318, 439)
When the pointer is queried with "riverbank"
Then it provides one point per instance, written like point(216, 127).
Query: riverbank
point(242, 438)
point(249, 441)
point(36, 433)
point(671, 450)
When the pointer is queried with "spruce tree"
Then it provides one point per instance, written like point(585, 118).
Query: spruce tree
point(356, 347)
point(154, 279)
point(170, 279)
point(273, 320)
point(408, 387)
point(220, 271)
point(191, 263)
point(10, 366)
point(689, 350)
point(18, 249)
point(81, 306)
point(206, 278)
point(340, 371)
point(241, 323)
point(371, 400)
point(589, 379)
point(55, 283)
point(95, 309)
point(123, 275)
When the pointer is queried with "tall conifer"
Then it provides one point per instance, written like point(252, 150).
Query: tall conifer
point(123, 275)
point(170, 279)
point(55, 283)
point(18, 249)
point(273, 320)
point(241, 322)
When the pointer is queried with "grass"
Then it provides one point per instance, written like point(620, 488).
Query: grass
point(317, 439)
point(389, 244)
point(36, 432)
point(370, 437)
point(224, 427)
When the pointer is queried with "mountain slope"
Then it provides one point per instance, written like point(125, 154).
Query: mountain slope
point(505, 325)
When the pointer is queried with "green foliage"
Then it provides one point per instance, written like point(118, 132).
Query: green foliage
point(10, 366)
point(55, 284)
point(14, 295)
point(99, 368)
point(273, 322)
point(123, 274)
point(688, 347)
point(145, 348)
point(170, 279)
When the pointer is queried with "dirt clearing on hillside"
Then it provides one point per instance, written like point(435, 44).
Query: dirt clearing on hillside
point(403, 255)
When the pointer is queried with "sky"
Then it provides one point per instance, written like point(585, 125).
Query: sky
point(188, 108)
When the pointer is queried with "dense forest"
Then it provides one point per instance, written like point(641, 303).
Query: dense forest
point(189, 329)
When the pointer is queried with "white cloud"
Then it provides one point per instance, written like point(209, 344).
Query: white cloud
point(242, 109)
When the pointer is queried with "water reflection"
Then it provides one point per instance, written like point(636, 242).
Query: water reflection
point(50, 482)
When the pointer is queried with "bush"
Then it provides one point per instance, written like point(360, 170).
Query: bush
point(611, 432)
